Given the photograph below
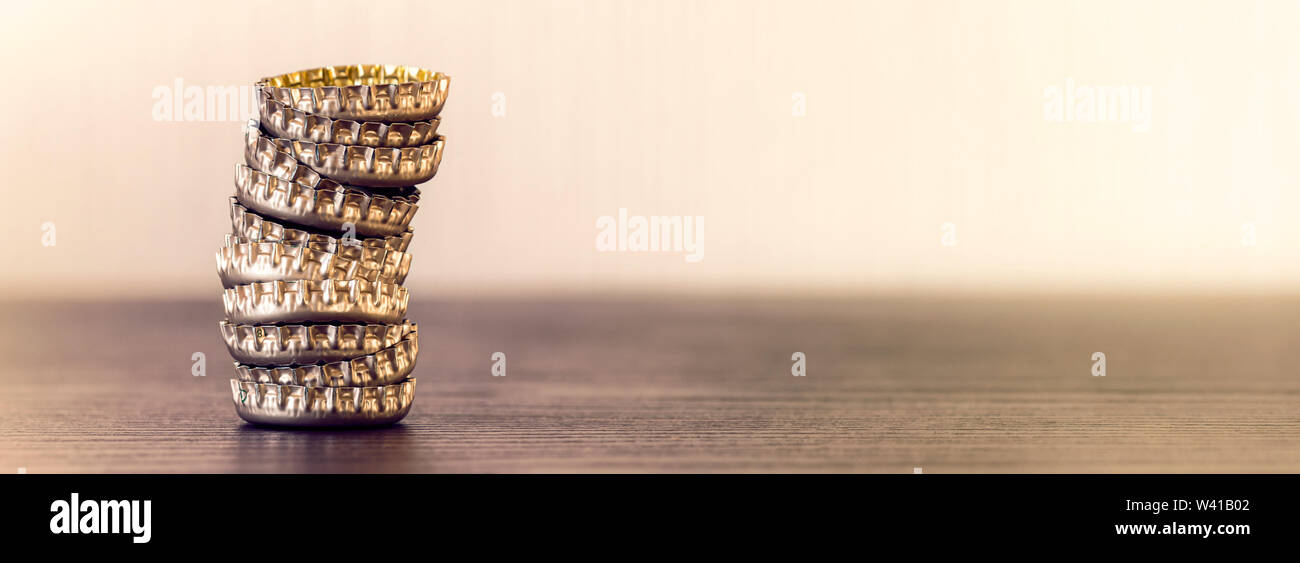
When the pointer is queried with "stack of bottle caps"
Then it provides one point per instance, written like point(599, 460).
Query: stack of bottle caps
point(321, 222)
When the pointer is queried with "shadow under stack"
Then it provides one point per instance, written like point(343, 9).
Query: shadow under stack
point(314, 266)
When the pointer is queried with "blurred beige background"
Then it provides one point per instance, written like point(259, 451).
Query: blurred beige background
point(917, 114)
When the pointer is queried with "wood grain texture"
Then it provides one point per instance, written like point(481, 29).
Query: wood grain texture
point(692, 385)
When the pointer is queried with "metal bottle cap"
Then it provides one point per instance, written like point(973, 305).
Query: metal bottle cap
point(287, 122)
point(295, 405)
point(385, 367)
point(285, 345)
point(250, 226)
point(348, 164)
point(242, 263)
point(328, 206)
point(362, 92)
point(312, 301)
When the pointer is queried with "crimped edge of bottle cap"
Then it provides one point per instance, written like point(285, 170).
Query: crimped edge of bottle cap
point(385, 367)
point(332, 208)
point(254, 227)
point(288, 122)
point(249, 262)
point(296, 405)
point(362, 92)
point(384, 167)
point(299, 344)
point(320, 301)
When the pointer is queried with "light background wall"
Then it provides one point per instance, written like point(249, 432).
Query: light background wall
point(918, 113)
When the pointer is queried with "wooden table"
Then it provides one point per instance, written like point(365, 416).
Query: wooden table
point(695, 385)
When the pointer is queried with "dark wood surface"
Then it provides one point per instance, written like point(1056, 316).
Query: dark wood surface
point(692, 385)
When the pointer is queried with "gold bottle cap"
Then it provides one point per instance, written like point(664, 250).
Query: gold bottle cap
point(362, 92)
point(248, 262)
point(316, 301)
point(297, 344)
point(328, 206)
point(383, 167)
point(296, 405)
point(385, 367)
point(291, 123)
point(252, 227)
